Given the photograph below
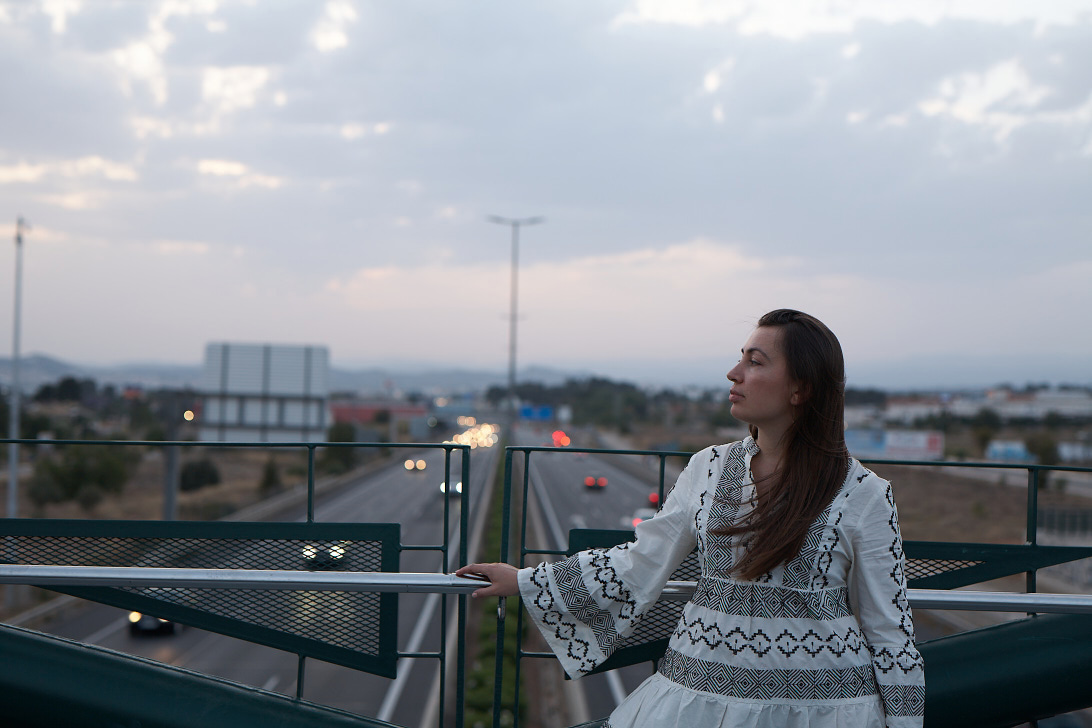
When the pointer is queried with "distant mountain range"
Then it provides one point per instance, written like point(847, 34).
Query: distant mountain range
point(911, 374)
point(37, 369)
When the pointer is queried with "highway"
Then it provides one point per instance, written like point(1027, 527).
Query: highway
point(560, 501)
point(392, 495)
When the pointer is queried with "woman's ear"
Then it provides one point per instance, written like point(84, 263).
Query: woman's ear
point(799, 395)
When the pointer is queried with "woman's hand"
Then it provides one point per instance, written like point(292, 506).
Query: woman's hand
point(503, 579)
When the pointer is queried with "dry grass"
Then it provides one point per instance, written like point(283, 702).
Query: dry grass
point(142, 498)
point(935, 504)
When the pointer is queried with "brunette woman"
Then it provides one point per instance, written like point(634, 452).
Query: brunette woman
point(800, 616)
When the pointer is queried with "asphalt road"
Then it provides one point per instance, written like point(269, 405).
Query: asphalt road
point(392, 495)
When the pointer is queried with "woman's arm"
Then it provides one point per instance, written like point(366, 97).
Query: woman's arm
point(877, 590)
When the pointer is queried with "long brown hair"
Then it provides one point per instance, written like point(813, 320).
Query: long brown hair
point(816, 459)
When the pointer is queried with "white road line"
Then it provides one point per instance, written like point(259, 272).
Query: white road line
point(618, 691)
point(105, 632)
point(424, 621)
point(548, 510)
point(271, 683)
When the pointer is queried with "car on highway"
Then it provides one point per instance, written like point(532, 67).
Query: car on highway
point(452, 492)
point(413, 466)
point(140, 623)
point(641, 514)
point(595, 482)
point(323, 555)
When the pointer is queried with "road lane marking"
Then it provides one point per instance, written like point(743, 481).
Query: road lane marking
point(106, 631)
point(271, 683)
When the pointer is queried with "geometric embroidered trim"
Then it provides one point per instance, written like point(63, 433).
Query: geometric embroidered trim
point(903, 700)
point(748, 599)
point(750, 684)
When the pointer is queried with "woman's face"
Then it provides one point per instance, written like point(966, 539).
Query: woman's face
point(763, 394)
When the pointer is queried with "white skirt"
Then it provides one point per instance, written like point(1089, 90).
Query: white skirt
point(661, 703)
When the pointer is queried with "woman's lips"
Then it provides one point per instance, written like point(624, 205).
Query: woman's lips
point(734, 396)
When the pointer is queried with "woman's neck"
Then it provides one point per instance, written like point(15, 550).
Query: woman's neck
point(771, 450)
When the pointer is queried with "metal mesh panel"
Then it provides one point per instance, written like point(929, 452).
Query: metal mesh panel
point(921, 568)
point(660, 621)
point(349, 628)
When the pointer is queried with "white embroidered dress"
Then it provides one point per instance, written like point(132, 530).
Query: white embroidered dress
point(824, 640)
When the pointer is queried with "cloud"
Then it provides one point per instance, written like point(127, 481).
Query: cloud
point(91, 166)
point(330, 32)
point(239, 171)
point(227, 90)
point(796, 19)
point(180, 247)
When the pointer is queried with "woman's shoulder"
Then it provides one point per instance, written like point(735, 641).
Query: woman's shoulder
point(863, 486)
point(723, 452)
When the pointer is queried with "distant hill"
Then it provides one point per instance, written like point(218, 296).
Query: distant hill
point(910, 374)
point(38, 369)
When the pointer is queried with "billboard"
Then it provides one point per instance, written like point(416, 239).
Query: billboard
point(895, 444)
point(264, 393)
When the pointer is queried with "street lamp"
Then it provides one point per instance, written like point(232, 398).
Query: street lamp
point(515, 223)
point(13, 402)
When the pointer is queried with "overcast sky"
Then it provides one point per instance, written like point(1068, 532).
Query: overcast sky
point(917, 174)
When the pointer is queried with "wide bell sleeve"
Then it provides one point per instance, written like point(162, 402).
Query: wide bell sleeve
point(877, 590)
point(586, 604)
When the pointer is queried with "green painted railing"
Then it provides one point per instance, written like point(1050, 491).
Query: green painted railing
point(352, 629)
point(930, 565)
point(1035, 667)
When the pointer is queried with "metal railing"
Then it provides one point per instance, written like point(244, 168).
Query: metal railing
point(61, 577)
point(427, 583)
point(517, 477)
point(519, 458)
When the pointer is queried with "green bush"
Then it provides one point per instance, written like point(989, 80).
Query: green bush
point(85, 474)
point(271, 477)
point(196, 474)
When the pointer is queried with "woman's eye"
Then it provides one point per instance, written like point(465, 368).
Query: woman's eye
point(755, 362)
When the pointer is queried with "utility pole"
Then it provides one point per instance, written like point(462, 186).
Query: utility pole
point(13, 401)
point(13, 595)
point(515, 223)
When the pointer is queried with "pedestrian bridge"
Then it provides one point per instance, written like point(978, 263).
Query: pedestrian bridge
point(330, 593)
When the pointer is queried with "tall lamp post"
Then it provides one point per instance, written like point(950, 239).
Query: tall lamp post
point(515, 224)
point(13, 403)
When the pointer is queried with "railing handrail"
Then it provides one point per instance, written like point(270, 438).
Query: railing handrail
point(408, 582)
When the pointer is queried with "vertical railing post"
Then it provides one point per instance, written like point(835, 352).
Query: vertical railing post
point(498, 677)
point(663, 478)
point(299, 677)
point(1033, 518)
point(310, 483)
point(444, 565)
point(522, 562)
point(464, 537)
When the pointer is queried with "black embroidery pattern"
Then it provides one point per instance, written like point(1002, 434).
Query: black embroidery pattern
point(903, 700)
point(564, 627)
point(760, 643)
point(579, 605)
point(748, 599)
point(749, 684)
point(725, 508)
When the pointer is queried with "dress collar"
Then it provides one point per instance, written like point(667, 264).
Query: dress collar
point(750, 445)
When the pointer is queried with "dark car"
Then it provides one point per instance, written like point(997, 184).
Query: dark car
point(324, 554)
point(140, 623)
point(594, 482)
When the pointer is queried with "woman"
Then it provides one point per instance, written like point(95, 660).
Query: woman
point(800, 616)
